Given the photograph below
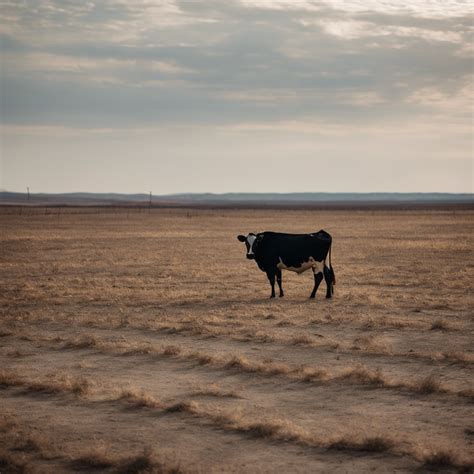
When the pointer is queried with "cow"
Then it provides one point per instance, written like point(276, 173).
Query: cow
point(274, 252)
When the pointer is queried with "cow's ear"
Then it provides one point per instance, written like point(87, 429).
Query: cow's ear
point(259, 237)
point(241, 238)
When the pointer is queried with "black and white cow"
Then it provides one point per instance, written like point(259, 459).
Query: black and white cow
point(275, 252)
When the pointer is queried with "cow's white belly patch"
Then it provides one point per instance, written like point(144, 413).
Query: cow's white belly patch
point(311, 263)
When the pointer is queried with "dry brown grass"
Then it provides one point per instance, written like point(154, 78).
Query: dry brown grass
point(453, 357)
point(139, 399)
point(148, 462)
point(19, 439)
point(13, 463)
point(171, 351)
point(79, 386)
point(458, 357)
point(371, 444)
point(359, 374)
point(302, 340)
point(467, 393)
point(441, 325)
point(141, 349)
point(16, 353)
point(310, 375)
point(102, 457)
point(365, 375)
point(8, 378)
point(285, 431)
point(215, 391)
point(429, 385)
point(84, 341)
point(176, 295)
point(284, 323)
point(98, 457)
point(262, 337)
point(201, 359)
point(445, 459)
point(183, 407)
point(242, 364)
point(373, 344)
point(22, 450)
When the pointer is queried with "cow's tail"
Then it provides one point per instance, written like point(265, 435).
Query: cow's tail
point(333, 276)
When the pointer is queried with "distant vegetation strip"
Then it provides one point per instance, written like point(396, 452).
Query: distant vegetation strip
point(238, 199)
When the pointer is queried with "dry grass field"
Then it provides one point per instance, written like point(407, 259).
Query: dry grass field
point(146, 342)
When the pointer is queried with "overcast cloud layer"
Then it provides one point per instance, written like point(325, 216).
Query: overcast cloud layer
point(220, 96)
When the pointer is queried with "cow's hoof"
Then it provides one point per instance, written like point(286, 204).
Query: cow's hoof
point(272, 296)
point(311, 297)
point(328, 296)
point(282, 295)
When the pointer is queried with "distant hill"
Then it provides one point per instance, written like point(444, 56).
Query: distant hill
point(321, 197)
point(235, 199)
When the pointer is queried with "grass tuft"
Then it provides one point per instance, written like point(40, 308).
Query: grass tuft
point(147, 462)
point(215, 391)
point(284, 323)
point(171, 351)
point(79, 387)
point(429, 385)
point(439, 459)
point(312, 375)
point(202, 359)
point(467, 393)
point(16, 353)
point(440, 325)
point(95, 459)
point(373, 344)
point(183, 407)
point(238, 362)
point(82, 342)
point(9, 379)
point(374, 444)
point(262, 429)
point(302, 340)
point(139, 399)
point(12, 464)
point(139, 350)
point(365, 375)
point(458, 356)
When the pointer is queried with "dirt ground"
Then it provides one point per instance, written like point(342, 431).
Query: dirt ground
point(145, 341)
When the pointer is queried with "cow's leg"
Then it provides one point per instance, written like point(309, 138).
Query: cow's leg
point(318, 277)
point(278, 275)
point(271, 279)
point(328, 280)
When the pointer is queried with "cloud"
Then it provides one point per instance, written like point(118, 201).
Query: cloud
point(419, 8)
point(118, 63)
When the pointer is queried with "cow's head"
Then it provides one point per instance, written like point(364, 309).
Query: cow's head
point(249, 243)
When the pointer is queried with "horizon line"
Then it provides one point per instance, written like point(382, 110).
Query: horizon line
point(212, 193)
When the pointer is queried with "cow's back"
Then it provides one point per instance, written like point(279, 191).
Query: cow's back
point(293, 249)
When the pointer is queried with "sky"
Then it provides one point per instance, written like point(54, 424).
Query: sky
point(220, 96)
